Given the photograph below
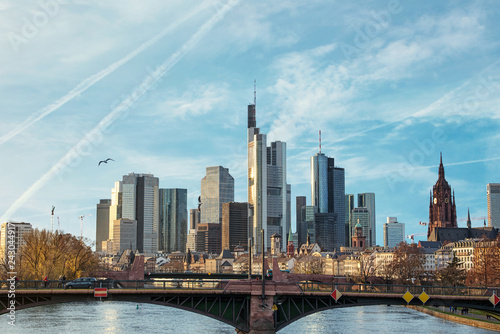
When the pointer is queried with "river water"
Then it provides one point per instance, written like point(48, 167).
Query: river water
point(122, 317)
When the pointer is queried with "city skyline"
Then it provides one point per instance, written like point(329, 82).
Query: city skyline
point(389, 84)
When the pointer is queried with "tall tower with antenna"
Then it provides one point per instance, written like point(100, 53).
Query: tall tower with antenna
point(328, 195)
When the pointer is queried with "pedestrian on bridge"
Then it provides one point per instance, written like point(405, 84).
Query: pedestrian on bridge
point(45, 281)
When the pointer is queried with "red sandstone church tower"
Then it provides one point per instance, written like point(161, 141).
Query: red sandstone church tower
point(442, 210)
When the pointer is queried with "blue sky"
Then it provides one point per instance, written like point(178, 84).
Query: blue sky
point(163, 87)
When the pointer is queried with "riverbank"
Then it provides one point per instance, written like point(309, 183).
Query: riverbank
point(466, 320)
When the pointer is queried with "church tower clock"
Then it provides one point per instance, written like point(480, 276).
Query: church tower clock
point(442, 210)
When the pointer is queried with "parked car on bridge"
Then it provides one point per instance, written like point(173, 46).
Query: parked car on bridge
point(81, 283)
point(107, 283)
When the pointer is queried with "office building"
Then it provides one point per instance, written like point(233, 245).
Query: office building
point(217, 187)
point(194, 218)
point(394, 232)
point(140, 202)
point(301, 225)
point(363, 217)
point(124, 235)
point(367, 200)
point(12, 238)
point(235, 223)
point(349, 225)
point(278, 200)
point(308, 213)
point(172, 220)
point(268, 192)
point(191, 240)
point(115, 209)
point(493, 198)
point(208, 238)
point(324, 231)
point(328, 193)
point(102, 223)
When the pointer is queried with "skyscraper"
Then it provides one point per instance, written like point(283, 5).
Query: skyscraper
point(349, 225)
point(328, 193)
point(115, 210)
point(173, 220)
point(493, 198)
point(257, 178)
point(217, 187)
point(268, 193)
point(208, 238)
point(442, 209)
point(278, 200)
point(394, 232)
point(363, 217)
point(194, 218)
point(124, 235)
point(309, 212)
point(102, 223)
point(140, 202)
point(367, 200)
point(235, 225)
point(301, 225)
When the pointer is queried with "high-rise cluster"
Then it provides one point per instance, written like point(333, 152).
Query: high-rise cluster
point(141, 216)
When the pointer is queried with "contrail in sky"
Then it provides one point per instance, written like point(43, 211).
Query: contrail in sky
point(139, 91)
point(425, 167)
point(90, 81)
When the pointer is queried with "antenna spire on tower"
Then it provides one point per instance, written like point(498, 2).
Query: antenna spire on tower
point(319, 141)
point(254, 92)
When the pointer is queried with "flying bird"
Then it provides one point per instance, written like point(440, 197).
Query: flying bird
point(105, 161)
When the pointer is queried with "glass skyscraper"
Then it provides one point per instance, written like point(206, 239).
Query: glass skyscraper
point(367, 200)
point(217, 187)
point(394, 232)
point(363, 217)
point(268, 192)
point(328, 193)
point(140, 202)
point(349, 225)
point(173, 220)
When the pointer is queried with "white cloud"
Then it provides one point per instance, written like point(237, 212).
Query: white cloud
point(198, 100)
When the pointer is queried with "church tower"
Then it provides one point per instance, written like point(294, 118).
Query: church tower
point(442, 210)
point(358, 240)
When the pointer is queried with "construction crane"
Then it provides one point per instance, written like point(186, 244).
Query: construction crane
point(459, 220)
point(412, 236)
point(52, 218)
point(81, 224)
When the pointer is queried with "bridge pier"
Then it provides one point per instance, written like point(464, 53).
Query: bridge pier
point(261, 317)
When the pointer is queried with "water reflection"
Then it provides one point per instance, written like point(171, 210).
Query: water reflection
point(122, 317)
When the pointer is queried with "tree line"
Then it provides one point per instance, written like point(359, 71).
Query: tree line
point(53, 255)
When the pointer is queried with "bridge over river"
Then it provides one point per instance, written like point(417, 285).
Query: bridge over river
point(251, 306)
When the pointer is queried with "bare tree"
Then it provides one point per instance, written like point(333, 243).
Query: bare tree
point(407, 263)
point(367, 265)
point(486, 264)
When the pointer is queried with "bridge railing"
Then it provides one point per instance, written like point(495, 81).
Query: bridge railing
point(188, 284)
point(395, 289)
